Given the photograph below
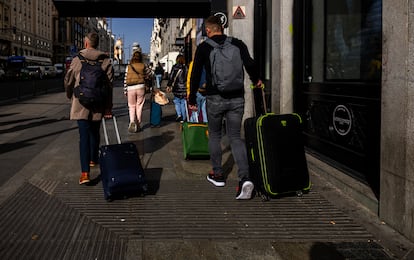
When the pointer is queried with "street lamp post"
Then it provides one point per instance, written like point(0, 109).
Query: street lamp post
point(21, 39)
point(21, 42)
point(128, 56)
point(110, 39)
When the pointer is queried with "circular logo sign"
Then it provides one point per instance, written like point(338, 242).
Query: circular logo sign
point(223, 18)
point(342, 120)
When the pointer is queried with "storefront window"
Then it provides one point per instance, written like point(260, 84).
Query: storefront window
point(346, 43)
point(339, 58)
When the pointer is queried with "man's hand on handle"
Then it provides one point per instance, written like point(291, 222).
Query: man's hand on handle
point(258, 84)
point(193, 107)
point(108, 114)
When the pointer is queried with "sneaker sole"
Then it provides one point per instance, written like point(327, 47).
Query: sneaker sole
point(216, 183)
point(83, 182)
point(246, 192)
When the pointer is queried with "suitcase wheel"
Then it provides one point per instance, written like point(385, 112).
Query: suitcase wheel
point(145, 189)
point(264, 197)
point(299, 193)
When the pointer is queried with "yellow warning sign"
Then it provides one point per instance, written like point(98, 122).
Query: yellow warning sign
point(239, 12)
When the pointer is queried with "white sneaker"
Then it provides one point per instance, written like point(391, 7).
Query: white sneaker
point(244, 191)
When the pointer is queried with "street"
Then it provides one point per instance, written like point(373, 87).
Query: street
point(46, 214)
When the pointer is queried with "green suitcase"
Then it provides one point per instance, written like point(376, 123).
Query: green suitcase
point(195, 140)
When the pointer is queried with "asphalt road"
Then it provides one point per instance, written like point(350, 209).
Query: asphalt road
point(45, 213)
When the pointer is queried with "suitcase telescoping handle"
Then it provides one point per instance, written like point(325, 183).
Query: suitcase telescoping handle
point(259, 100)
point(118, 137)
point(194, 114)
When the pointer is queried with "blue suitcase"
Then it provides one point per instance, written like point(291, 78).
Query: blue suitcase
point(122, 174)
point(155, 114)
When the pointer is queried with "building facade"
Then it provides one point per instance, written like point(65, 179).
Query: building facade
point(165, 33)
point(69, 32)
point(35, 30)
point(346, 68)
point(26, 28)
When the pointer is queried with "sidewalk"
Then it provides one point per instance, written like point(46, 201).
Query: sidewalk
point(46, 214)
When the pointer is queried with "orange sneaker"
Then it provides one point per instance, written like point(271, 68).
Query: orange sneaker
point(84, 178)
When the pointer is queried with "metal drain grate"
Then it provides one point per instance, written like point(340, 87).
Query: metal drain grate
point(75, 222)
point(46, 186)
point(35, 225)
point(197, 210)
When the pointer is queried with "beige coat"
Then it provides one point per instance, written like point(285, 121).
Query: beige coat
point(71, 81)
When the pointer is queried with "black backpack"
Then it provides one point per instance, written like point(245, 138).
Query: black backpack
point(93, 85)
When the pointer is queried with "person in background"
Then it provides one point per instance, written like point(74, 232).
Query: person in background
point(177, 85)
point(159, 73)
point(89, 123)
point(136, 73)
point(201, 99)
point(220, 105)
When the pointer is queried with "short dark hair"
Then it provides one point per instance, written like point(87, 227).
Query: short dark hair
point(214, 23)
point(93, 38)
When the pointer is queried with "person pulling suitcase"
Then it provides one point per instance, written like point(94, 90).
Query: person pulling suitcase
point(225, 99)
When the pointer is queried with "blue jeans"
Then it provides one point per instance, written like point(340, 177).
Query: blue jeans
point(180, 108)
point(232, 110)
point(158, 79)
point(89, 138)
point(201, 104)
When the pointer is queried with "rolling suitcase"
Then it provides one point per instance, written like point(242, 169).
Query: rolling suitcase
point(276, 152)
point(122, 174)
point(195, 137)
point(155, 114)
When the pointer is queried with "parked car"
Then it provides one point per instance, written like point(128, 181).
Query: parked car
point(2, 74)
point(23, 74)
point(36, 72)
point(50, 71)
point(60, 69)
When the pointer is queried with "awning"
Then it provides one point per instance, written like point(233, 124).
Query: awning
point(39, 60)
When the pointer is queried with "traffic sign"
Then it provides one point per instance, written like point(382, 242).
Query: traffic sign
point(239, 12)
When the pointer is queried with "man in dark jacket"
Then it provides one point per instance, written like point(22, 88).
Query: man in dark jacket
point(159, 73)
point(229, 105)
point(177, 83)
